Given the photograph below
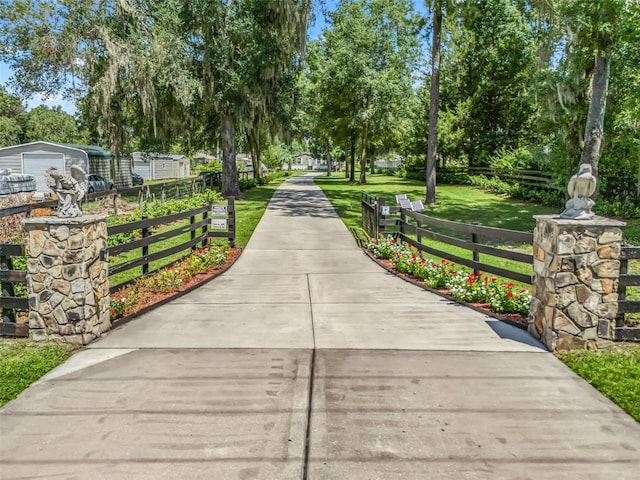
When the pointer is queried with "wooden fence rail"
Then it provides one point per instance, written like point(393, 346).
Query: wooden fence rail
point(9, 303)
point(378, 217)
point(425, 228)
point(200, 228)
point(625, 306)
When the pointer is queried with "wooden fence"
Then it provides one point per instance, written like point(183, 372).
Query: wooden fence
point(618, 187)
point(168, 189)
point(530, 178)
point(202, 226)
point(9, 302)
point(404, 222)
point(623, 329)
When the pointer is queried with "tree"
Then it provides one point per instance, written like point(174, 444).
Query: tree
point(11, 111)
point(487, 66)
point(190, 71)
point(434, 103)
point(362, 73)
point(51, 125)
point(590, 33)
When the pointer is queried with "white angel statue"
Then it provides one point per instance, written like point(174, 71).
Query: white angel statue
point(581, 186)
point(69, 188)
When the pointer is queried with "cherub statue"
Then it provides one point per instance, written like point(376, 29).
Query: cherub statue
point(69, 188)
point(581, 186)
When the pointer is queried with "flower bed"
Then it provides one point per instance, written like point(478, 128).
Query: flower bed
point(460, 283)
point(183, 275)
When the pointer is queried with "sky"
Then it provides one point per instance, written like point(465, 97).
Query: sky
point(68, 106)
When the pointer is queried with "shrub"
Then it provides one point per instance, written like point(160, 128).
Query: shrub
point(505, 299)
point(463, 285)
point(468, 287)
point(383, 247)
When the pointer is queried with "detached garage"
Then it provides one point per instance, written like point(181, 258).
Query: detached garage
point(35, 158)
point(158, 166)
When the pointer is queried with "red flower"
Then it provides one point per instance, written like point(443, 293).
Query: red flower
point(509, 295)
point(470, 281)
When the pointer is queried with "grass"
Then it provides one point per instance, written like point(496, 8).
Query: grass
point(616, 374)
point(23, 362)
point(456, 203)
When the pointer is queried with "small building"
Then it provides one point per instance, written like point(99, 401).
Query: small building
point(304, 161)
point(36, 157)
point(160, 166)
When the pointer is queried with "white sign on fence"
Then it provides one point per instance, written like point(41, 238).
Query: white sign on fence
point(385, 210)
point(218, 223)
point(218, 210)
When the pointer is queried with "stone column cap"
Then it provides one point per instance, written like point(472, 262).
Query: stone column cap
point(596, 221)
point(74, 221)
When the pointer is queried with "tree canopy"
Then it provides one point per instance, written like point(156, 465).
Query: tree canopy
point(523, 83)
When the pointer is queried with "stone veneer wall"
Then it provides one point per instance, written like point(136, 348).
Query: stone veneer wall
point(67, 278)
point(576, 269)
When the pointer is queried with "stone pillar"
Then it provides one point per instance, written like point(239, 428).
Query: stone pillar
point(575, 282)
point(68, 278)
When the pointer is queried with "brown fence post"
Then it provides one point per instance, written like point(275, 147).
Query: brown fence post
point(231, 225)
point(622, 290)
point(8, 315)
point(380, 228)
point(145, 248)
point(476, 254)
point(205, 227)
point(192, 220)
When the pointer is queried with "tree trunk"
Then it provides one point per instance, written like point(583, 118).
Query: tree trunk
point(594, 131)
point(363, 157)
point(434, 100)
point(352, 159)
point(253, 140)
point(229, 181)
point(326, 147)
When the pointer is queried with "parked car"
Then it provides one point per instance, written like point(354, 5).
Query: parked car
point(99, 184)
point(136, 178)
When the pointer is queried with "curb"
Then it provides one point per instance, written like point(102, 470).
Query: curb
point(422, 285)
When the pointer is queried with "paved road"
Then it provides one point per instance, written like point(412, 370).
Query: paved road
point(307, 360)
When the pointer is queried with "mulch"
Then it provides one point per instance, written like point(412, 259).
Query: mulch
point(155, 299)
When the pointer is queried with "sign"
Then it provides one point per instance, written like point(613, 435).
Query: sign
point(385, 210)
point(218, 210)
point(417, 206)
point(405, 204)
point(218, 223)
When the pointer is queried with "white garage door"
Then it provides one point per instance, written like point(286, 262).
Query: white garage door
point(38, 163)
point(143, 168)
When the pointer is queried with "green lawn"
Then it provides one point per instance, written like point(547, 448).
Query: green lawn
point(616, 374)
point(23, 362)
point(457, 203)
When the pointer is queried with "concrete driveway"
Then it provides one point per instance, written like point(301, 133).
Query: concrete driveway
point(306, 360)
